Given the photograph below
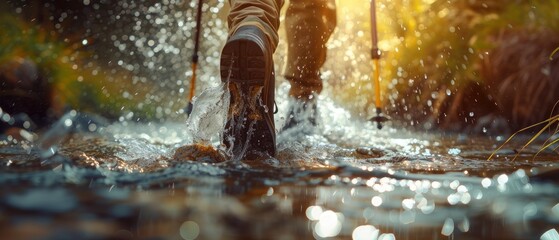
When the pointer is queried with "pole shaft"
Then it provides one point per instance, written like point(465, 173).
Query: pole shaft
point(377, 83)
point(193, 82)
point(195, 54)
point(375, 53)
point(197, 37)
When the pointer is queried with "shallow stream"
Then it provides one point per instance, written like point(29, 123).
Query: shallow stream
point(344, 180)
point(349, 181)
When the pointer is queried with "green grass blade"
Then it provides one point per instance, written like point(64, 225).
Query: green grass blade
point(552, 131)
point(548, 145)
point(519, 131)
point(533, 138)
point(553, 53)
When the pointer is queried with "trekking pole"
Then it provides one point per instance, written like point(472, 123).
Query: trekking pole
point(195, 58)
point(375, 56)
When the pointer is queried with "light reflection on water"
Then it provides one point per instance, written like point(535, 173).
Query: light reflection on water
point(346, 180)
point(321, 189)
point(368, 181)
point(385, 192)
point(344, 202)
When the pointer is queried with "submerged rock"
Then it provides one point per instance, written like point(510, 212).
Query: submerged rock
point(198, 153)
point(366, 152)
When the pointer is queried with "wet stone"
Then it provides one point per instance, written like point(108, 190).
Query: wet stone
point(366, 152)
point(198, 153)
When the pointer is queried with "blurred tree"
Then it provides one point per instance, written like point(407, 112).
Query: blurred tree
point(465, 60)
point(36, 33)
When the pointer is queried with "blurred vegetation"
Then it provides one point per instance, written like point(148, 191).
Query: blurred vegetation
point(76, 80)
point(446, 64)
point(455, 53)
point(456, 65)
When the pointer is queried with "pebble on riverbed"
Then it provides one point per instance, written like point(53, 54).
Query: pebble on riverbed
point(366, 152)
point(198, 153)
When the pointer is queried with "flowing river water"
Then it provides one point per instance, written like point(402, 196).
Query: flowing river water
point(350, 181)
point(83, 179)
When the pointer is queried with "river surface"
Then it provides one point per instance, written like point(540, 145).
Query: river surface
point(347, 180)
point(343, 180)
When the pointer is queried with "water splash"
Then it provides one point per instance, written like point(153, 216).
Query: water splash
point(551, 234)
point(209, 115)
point(73, 121)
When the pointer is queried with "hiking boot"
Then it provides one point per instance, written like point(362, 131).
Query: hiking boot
point(302, 114)
point(247, 67)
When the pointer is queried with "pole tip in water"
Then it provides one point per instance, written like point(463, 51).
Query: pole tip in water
point(379, 118)
point(188, 109)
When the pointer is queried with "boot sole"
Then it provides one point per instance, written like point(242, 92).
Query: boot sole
point(249, 131)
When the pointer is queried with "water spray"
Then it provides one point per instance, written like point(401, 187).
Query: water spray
point(195, 58)
point(375, 56)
